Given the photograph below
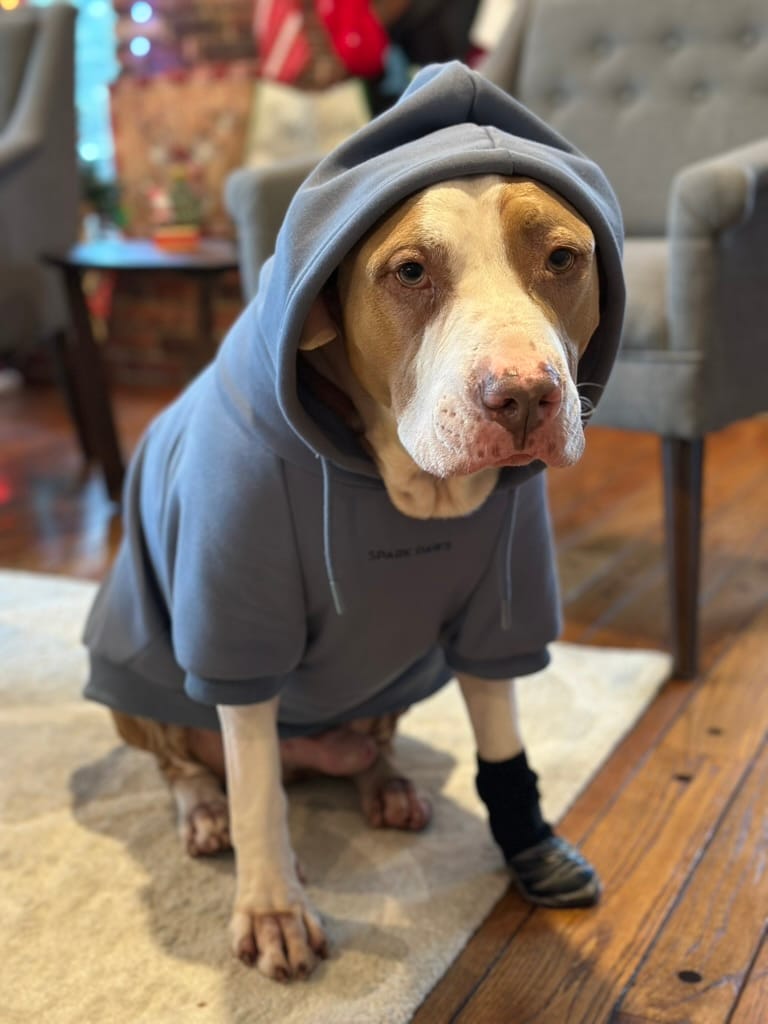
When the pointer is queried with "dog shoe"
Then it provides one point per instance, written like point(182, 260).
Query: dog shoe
point(554, 874)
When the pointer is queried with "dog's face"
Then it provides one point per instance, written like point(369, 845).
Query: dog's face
point(465, 312)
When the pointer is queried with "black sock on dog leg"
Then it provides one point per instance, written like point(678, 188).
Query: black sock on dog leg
point(509, 791)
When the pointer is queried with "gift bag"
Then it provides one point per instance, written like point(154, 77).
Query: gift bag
point(314, 43)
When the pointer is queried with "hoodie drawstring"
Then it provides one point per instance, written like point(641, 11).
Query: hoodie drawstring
point(338, 604)
point(506, 568)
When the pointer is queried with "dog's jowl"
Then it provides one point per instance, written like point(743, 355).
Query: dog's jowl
point(347, 508)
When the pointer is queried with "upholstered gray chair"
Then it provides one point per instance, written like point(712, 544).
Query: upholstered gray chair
point(256, 199)
point(38, 171)
point(670, 97)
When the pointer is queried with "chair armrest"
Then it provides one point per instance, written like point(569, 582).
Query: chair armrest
point(712, 195)
point(717, 300)
point(25, 132)
point(257, 198)
point(16, 147)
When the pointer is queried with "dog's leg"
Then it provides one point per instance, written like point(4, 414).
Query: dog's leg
point(196, 786)
point(273, 924)
point(387, 798)
point(505, 782)
point(546, 869)
point(492, 708)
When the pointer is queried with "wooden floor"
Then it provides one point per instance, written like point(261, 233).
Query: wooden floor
point(676, 822)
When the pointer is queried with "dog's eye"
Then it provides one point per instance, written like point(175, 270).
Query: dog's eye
point(561, 260)
point(411, 274)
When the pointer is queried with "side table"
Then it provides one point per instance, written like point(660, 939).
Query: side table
point(87, 385)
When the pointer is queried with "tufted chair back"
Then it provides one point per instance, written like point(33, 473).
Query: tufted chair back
point(643, 86)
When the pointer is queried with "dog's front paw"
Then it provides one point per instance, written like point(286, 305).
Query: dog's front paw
point(282, 945)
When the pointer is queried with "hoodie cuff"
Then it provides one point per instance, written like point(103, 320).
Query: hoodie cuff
point(232, 691)
point(500, 668)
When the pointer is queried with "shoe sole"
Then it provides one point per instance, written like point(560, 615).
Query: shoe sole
point(587, 896)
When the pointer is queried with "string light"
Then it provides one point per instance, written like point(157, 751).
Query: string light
point(141, 12)
point(140, 46)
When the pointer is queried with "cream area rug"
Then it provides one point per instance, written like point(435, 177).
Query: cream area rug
point(103, 918)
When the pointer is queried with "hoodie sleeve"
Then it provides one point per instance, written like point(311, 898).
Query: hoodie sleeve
point(237, 597)
point(514, 612)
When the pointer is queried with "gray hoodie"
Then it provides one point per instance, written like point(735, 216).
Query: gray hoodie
point(261, 552)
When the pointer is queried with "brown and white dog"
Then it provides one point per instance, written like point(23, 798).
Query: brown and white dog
point(452, 338)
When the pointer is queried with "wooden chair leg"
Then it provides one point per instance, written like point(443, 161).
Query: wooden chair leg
point(683, 470)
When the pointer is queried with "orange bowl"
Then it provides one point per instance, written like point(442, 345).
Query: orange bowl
point(177, 237)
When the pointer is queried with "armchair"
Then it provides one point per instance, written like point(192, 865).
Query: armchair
point(669, 97)
point(256, 199)
point(38, 171)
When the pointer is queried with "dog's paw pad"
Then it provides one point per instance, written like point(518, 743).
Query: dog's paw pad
point(207, 829)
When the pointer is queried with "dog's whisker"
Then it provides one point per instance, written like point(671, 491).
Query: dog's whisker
point(587, 404)
point(587, 408)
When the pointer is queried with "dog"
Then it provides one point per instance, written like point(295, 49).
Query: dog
point(449, 340)
point(347, 508)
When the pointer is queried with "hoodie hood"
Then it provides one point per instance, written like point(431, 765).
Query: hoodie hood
point(451, 122)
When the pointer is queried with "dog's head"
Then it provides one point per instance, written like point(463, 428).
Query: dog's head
point(465, 312)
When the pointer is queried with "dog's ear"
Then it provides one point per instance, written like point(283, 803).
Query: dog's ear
point(319, 327)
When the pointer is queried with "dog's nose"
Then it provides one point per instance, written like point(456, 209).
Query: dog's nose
point(521, 403)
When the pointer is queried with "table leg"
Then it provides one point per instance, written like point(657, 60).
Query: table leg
point(65, 366)
point(93, 391)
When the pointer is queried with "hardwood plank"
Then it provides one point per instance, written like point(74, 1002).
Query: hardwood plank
point(605, 494)
point(475, 961)
point(629, 606)
point(622, 545)
point(54, 513)
point(752, 1007)
point(704, 726)
point(698, 965)
point(626, 1018)
point(590, 492)
point(715, 723)
point(605, 788)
